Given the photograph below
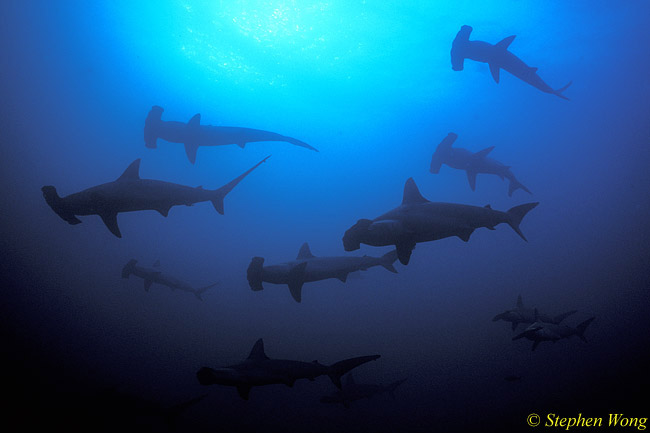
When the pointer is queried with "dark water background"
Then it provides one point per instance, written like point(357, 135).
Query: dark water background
point(368, 83)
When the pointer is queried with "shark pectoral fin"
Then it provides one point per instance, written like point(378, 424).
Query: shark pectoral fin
point(342, 276)
point(164, 211)
point(464, 234)
point(535, 344)
point(471, 178)
point(494, 70)
point(296, 279)
point(241, 145)
point(190, 150)
point(244, 391)
point(404, 250)
point(533, 70)
point(514, 326)
point(110, 219)
point(505, 42)
point(147, 284)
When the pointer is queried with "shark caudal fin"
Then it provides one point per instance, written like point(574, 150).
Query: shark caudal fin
point(127, 270)
point(515, 185)
point(516, 214)
point(202, 290)
point(580, 329)
point(57, 204)
point(387, 261)
point(440, 155)
point(220, 194)
point(559, 91)
point(254, 274)
point(337, 370)
point(560, 317)
point(151, 125)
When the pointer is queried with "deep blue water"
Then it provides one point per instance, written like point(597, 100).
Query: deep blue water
point(370, 84)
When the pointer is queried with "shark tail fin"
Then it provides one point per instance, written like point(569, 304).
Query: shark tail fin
point(127, 270)
point(515, 185)
point(559, 91)
point(516, 214)
point(560, 317)
point(151, 125)
point(387, 261)
point(220, 194)
point(202, 290)
point(393, 386)
point(337, 370)
point(254, 274)
point(580, 329)
point(297, 142)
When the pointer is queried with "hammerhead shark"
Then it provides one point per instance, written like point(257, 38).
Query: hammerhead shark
point(542, 331)
point(524, 315)
point(155, 275)
point(419, 220)
point(259, 370)
point(307, 268)
point(192, 134)
point(497, 57)
point(472, 162)
point(129, 193)
point(353, 391)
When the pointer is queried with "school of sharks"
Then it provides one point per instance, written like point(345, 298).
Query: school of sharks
point(415, 220)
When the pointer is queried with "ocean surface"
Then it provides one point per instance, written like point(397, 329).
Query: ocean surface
point(368, 83)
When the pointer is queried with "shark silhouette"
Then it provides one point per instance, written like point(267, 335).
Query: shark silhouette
point(307, 268)
point(259, 370)
point(193, 135)
point(129, 193)
point(497, 57)
point(419, 220)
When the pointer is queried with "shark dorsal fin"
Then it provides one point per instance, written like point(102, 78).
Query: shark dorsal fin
point(195, 121)
point(132, 172)
point(505, 42)
point(487, 206)
point(350, 380)
point(257, 353)
point(533, 70)
point(484, 152)
point(520, 303)
point(305, 252)
point(412, 193)
point(156, 264)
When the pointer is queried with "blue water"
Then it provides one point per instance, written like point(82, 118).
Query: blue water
point(369, 83)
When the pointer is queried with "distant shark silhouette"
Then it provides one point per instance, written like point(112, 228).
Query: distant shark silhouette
point(155, 275)
point(472, 162)
point(192, 134)
point(541, 331)
point(307, 268)
point(259, 370)
point(497, 57)
point(353, 391)
point(129, 193)
point(419, 220)
point(525, 315)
